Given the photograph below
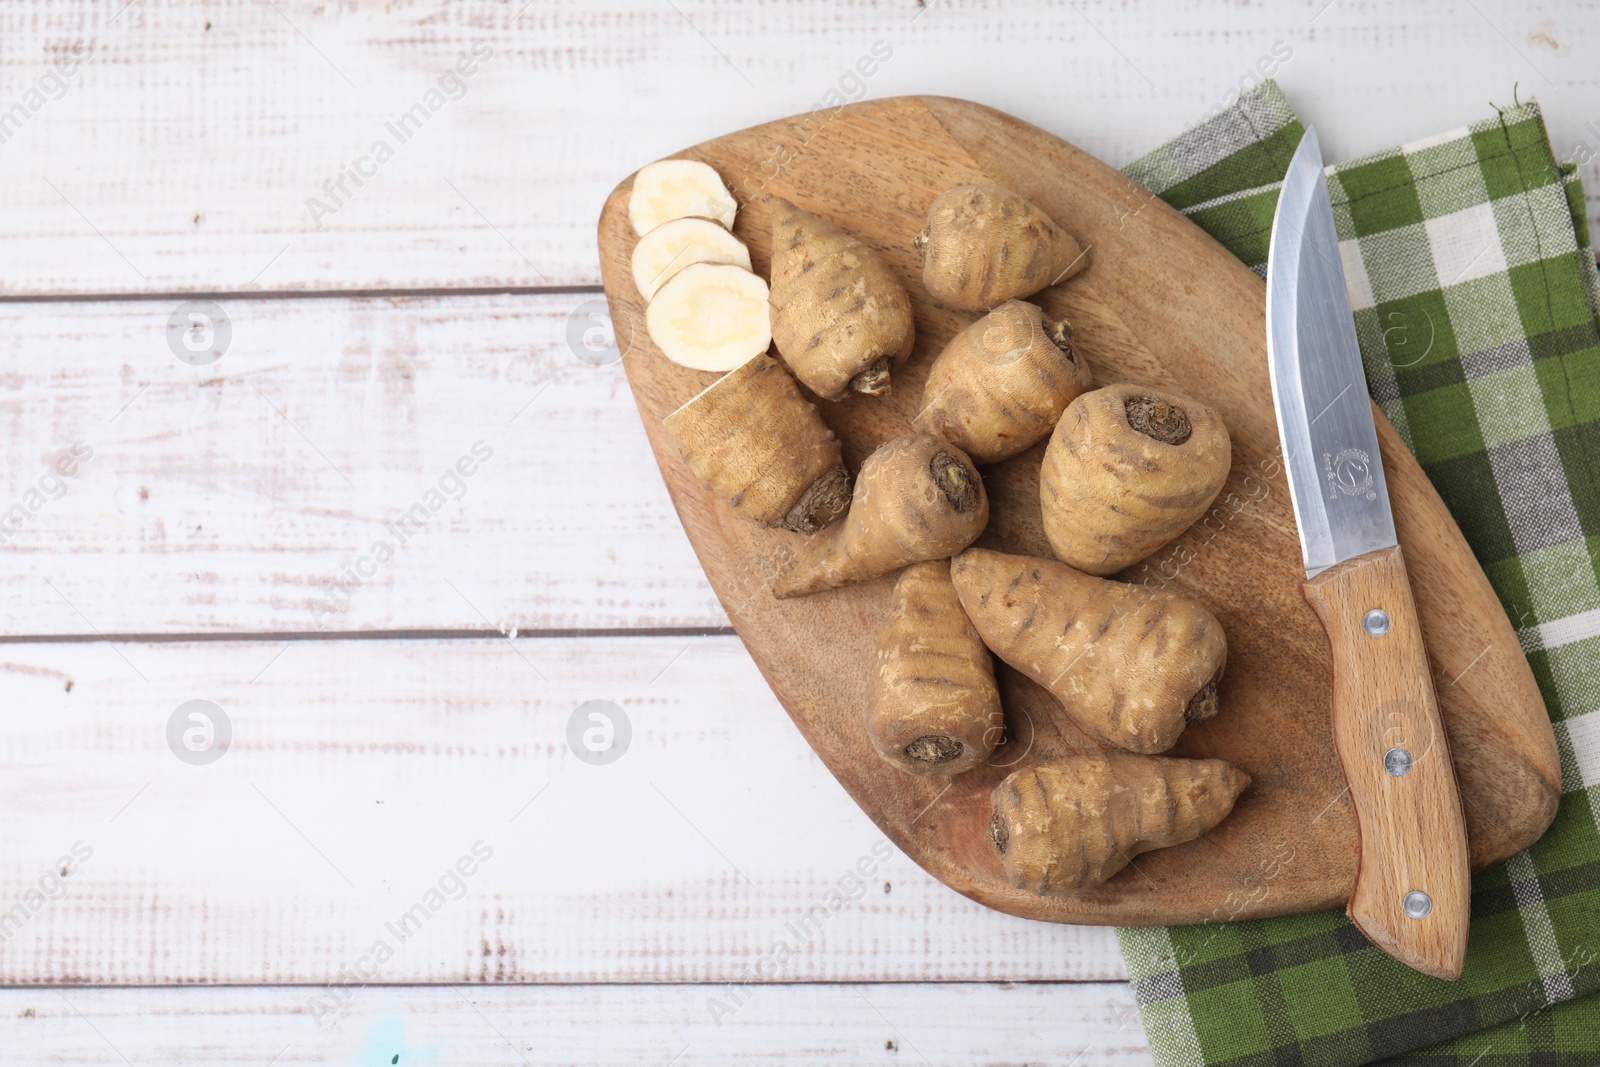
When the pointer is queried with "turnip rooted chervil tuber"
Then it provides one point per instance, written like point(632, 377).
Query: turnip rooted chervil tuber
point(840, 315)
point(760, 445)
point(1131, 665)
point(933, 708)
point(1066, 825)
point(984, 245)
point(916, 498)
point(1128, 469)
point(1002, 383)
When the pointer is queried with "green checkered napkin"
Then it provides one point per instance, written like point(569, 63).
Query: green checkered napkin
point(1475, 295)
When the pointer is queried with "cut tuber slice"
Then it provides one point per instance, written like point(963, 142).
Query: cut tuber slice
point(710, 316)
point(678, 189)
point(672, 246)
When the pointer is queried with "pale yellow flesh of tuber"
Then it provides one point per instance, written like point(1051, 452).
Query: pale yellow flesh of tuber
point(916, 498)
point(840, 315)
point(984, 245)
point(933, 708)
point(1066, 825)
point(1000, 386)
point(672, 246)
point(679, 189)
point(1128, 469)
point(759, 444)
point(710, 316)
point(1130, 665)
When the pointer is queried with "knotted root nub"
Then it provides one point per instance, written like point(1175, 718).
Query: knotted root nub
point(935, 748)
point(998, 833)
point(1203, 705)
point(822, 502)
point(1060, 334)
point(1159, 421)
point(957, 480)
point(874, 381)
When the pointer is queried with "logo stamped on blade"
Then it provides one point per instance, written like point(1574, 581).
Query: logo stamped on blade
point(1350, 473)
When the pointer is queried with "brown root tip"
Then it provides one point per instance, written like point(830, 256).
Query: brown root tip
point(998, 833)
point(958, 481)
point(1060, 334)
point(935, 749)
point(874, 381)
point(920, 242)
point(1203, 705)
point(823, 501)
point(1158, 420)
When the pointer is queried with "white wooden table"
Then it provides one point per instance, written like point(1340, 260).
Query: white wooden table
point(399, 854)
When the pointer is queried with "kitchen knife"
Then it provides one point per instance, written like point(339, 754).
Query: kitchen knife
point(1411, 895)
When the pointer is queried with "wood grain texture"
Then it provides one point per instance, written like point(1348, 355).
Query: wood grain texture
point(954, 1025)
point(1411, 831)
point(183, 154)
point(1163, 304)
point(361, 771)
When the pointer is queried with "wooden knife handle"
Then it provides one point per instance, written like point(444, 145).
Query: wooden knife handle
point(1396, 760)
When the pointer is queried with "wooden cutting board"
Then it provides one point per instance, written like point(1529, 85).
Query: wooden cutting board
point(1160, 303)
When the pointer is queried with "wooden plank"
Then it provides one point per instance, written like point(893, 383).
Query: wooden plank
point(185, 146)
point(323, 845)
point(244, 495)
point(1083, 1024)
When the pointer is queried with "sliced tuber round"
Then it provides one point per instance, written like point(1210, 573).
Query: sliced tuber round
point(672, 246)
point(759, 444)
point(679, 189)
point(1128, 469)
point(710, 316)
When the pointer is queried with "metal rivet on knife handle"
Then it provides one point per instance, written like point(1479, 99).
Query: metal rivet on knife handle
point(1417, 904)
point(1397, 761)
point(1376, 622)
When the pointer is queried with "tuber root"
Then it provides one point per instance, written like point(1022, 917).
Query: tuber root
point(984, 245)
point(1066, 825)
point(916, 498)
point(1128, 469)
point(933, 708)
point(840, 316)
point(1130, 665)
point(679, 189)
point(755, 441)
point(710, 316)
point(1002, 383)
point(672, 246)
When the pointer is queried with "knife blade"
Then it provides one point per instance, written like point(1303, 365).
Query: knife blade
point(1411, 893)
